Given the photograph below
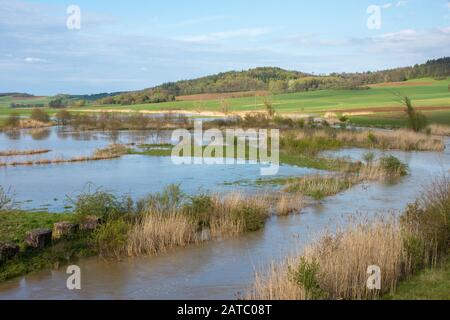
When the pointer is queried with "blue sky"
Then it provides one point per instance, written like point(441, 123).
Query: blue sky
point(134, 44)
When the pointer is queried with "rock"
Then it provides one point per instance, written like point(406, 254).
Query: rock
point(64, 229)
point(39, 238)
point(8, 251)
point(91, 223)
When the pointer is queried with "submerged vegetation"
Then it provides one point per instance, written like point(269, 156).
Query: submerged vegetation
point(110, 152)
point(335, 267)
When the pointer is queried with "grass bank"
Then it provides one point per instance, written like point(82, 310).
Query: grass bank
point(150, 226)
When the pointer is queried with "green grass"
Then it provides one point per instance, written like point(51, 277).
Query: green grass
point(13, 227)
point(435, 93)
point(14, 224)
point(398, 119)
point(431, 284)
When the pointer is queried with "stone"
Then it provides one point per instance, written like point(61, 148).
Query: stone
point(91, 223)
point(8, 251)
point(64, 229)
point(39, 238)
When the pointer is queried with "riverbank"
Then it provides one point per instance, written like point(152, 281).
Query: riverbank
point(123, 228)
point(335, 266)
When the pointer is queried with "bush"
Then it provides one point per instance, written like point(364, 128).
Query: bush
point(110, 239)
point(305, 276)
point(63, 117)
point(393, 166)
point(13, 120)
point(200, 209)
point(6, 202)
point(170, 198)
point(427, 224)
point(253, 218)
point(40, 115)
point(416, 121)
point(102, 204)
point(369, 157)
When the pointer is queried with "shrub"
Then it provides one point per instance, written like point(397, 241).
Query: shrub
point(103, 205)
point(393, 166)
point(305, 276)
point(39, 115)
point(416, 121)
point(110, 239)
point(63, 117)
point(13, 120)
point(253, 218)
point(427, 224)
point(369, 157)
point(170, 198)
point(6, 202)
point(200, 209)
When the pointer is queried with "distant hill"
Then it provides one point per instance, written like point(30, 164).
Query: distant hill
point(16, 95)
point(275, 80)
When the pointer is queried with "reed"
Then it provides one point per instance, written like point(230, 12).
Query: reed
point(439, 130)
point(335, 266)
point(315, 140)
point(110, 152)
point(10, 153)
point(157, 232)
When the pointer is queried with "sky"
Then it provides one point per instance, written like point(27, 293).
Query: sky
point(46, 47)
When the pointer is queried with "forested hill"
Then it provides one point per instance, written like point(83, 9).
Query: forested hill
point(277, 80)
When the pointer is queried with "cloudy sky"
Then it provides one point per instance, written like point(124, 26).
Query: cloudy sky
point(134, 44)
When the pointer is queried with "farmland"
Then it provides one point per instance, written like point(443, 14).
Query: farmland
point(376, 106)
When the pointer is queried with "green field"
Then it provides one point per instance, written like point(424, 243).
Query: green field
point(424, 92)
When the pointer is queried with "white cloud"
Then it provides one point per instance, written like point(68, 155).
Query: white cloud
point(386, 5)
point(34, 60)
point(401, 3)
point(231, 34)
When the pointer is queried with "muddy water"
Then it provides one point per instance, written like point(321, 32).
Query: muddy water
point(51, 187)
point(219, 270)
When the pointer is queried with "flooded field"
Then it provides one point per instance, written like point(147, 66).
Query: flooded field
point(214, 270)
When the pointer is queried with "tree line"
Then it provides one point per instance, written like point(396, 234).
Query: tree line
point(277, 81)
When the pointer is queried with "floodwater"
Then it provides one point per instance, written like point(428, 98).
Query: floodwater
point(51, 187)
point(222, 269)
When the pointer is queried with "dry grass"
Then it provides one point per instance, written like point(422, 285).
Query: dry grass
point(402, 139)
point(440, 130)
point(111, 152)
point(342, 261)
point(215, 217)
point(158, 232)
point(288, 204)
point(10, 153)
point(336, 266)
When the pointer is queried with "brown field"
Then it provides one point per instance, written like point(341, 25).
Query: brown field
point(27, 98)
point(228, 95)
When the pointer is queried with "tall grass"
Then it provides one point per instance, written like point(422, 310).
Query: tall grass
point(316, 140)
point(156, 232)
point(335, 266)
